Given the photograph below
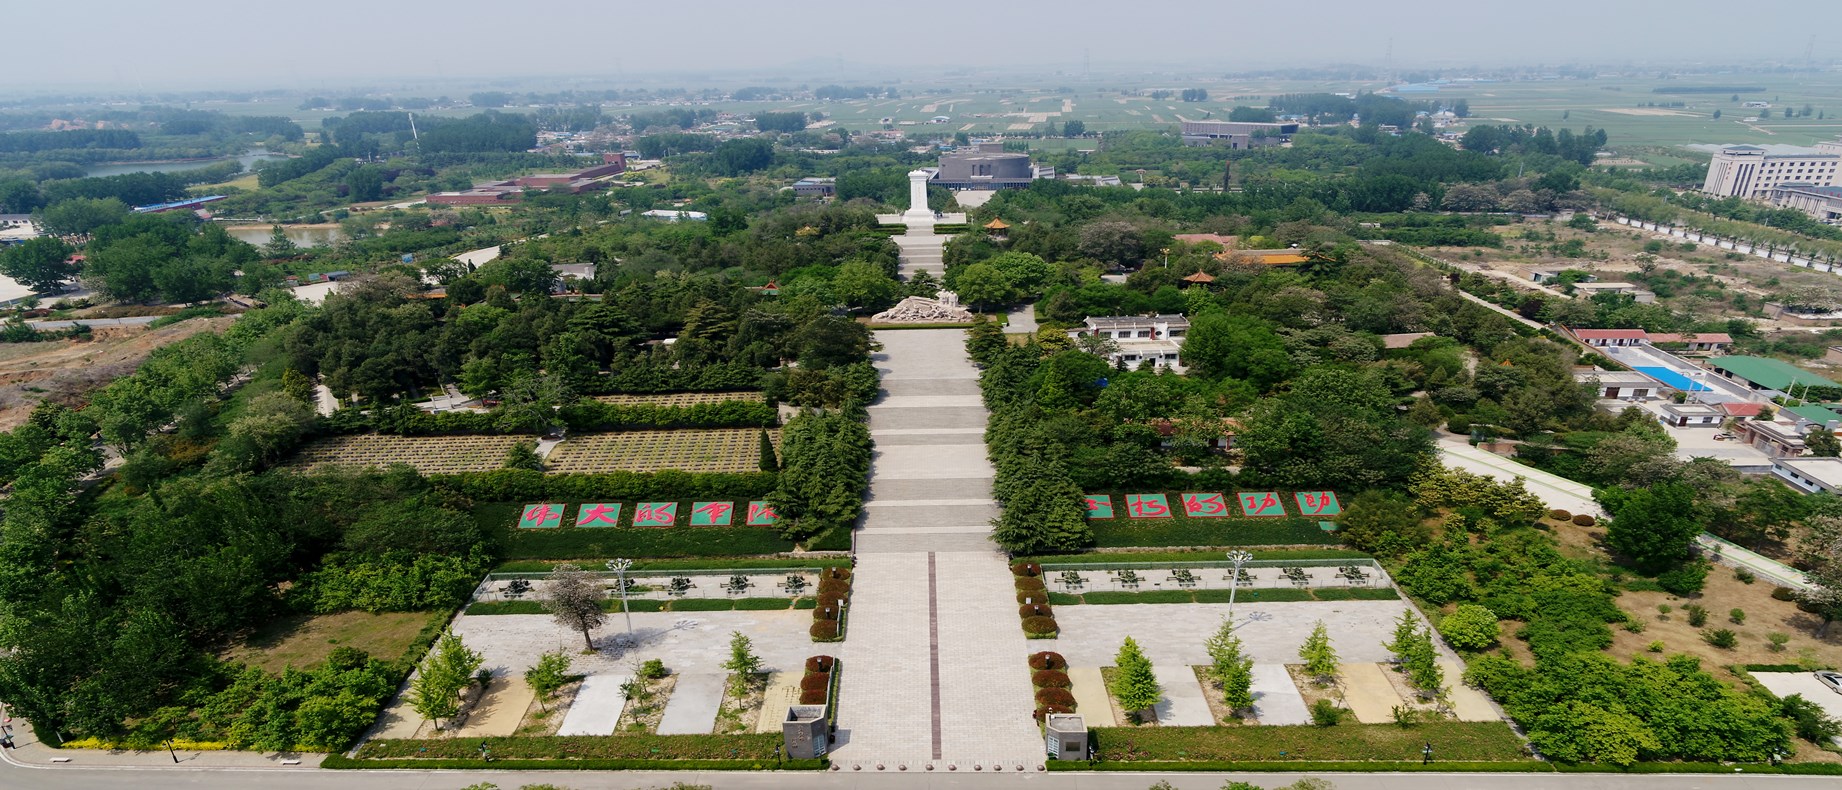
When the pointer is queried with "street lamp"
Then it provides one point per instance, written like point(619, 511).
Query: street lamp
point(619, 567)
point(1166, 251)
point(1239, 558)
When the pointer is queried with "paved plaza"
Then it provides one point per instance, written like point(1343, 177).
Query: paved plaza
point(1270, 632)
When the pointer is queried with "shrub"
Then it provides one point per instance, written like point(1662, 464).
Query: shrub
point(827, 610)
point(1055, 696)
point(1685, 580)
point(1697, 615)
point(815, 681)
point(1040, 627)
point(1560, 515)
point(1778, 640)
point(834, 587)
point(815, 697)
point(820, 663)
point(1584, 520)
point(1635, 625)
point(837, 572)
point(1738, 616)
point(1470, 627)
point(1030, 583)
point(1027, 569)
point(1721, 638)
point(1048, 659)
point(1808, 719)
point(1042, 711)
point(1032, 610)
point(1035, 596)
point(1050, 679)
point(1745, 576)
point(1325, 713)
point(1664, 609)
point(653, 669)
point(1655, 646)
point(1783, 594)
point(824, 630)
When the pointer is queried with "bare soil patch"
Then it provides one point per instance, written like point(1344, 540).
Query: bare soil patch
point(66, 371)
point(646, 706)
point(304, 640)
point(738, 713)
point(1312, 692)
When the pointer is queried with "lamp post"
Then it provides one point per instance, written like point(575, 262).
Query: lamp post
point(1239, 558)
point(1166, 251)
point(619, 567)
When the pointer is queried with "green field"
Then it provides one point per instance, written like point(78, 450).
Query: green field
point(1610, 103)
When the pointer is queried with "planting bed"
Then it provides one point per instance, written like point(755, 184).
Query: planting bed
point(430, 455)
point(689, 450)
point(680, 398)
point(1452, 741)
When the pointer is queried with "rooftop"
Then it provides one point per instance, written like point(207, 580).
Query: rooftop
point(1135, 321)
point(1738, 409)
point(1610, 334)
point(1814, 413)
point(1614, 377)
point(1826, 471)
point(1770, 373)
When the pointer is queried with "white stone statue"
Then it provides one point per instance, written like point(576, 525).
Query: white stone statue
point(917, 196)
point(922, 310)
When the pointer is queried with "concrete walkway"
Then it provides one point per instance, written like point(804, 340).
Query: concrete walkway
point(597, 706)
point(1091, 698)
point(1182, 703)
point(934, 657)
point(1558, 492)
point(1368, 693)
point(922, 251)
point(1468, 703)
point(1276, 698)
point(693, 704)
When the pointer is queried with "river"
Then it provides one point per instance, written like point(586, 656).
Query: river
point(248, 158)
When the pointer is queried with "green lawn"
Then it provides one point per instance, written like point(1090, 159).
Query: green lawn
point(1452, 741)
point(302, 641)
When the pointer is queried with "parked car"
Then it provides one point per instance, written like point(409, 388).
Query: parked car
point(1831, 679)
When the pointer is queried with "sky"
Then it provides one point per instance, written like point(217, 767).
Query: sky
point(137, 44)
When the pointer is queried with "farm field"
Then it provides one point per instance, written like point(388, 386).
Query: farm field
point(430, 455)
point(713, 450)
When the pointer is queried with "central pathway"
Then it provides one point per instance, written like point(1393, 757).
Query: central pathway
point(934, 669)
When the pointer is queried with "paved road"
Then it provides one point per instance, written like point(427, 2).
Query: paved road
point(94, 322)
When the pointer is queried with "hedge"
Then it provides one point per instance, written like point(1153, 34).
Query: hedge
point(340, 761)
point(523, 485)
point(651, 605)
point(591, 416)
point(670, 749)
point(693, 564)
point(1261, 595)
point(1306, 766)
point(1456, 741)
point(1181, 531)
point(1195, 555)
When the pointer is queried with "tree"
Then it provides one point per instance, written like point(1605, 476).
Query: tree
point(1134, 685)
point(863, 286)
point(1822, 442)
point(1230, 666)
point(549, 674)
point(1470, 627)
point(279, 246)
point(1461, 108)
point(742, 660)
point(42, 264)
point(1220, 345)
point(1822, 554)
point(1114, 243)
point(1319, 657)
point(573, 597)
point(523, 455)
point(982, 285)
point(365, 183)
point(738, 157)
point(1413, 649)
point(1717, 115)
point(788, 122)
point(1653, 528)
point(449, 667)
point(1383, 522)
point(80, 216)
point(1074, 129)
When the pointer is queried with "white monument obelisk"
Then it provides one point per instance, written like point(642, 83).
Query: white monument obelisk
point(918, 212)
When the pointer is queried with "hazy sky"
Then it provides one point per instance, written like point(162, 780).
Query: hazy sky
point(125, 44)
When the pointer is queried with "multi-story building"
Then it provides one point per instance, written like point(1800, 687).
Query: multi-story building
point(1157, 339)
point(987, 165)
point(1237, 134)
point(1748, 171)
point(1823, 203)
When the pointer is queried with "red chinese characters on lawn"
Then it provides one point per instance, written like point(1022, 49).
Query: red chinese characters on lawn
point(1205, 505)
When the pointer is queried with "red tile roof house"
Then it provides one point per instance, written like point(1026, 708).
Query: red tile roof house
point(1747, 410)
point(1601, 338)
point(1698, 341)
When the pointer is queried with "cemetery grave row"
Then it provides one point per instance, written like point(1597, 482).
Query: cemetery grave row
point(691, 450)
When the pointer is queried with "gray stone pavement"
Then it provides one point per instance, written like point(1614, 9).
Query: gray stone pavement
point(685, 641)
point(1182, 704)
point(1276, 698)
point(934, 671)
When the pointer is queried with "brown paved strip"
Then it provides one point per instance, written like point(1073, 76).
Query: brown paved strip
point(933, 650)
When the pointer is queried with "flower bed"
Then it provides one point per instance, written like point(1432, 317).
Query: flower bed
point(1049, 676)
point(1034, 610)
point(832, 609)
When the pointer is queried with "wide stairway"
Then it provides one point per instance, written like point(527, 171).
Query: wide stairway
point(934, 662)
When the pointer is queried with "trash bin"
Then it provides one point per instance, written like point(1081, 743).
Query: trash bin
point(1065, 736)
point(805, 732)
